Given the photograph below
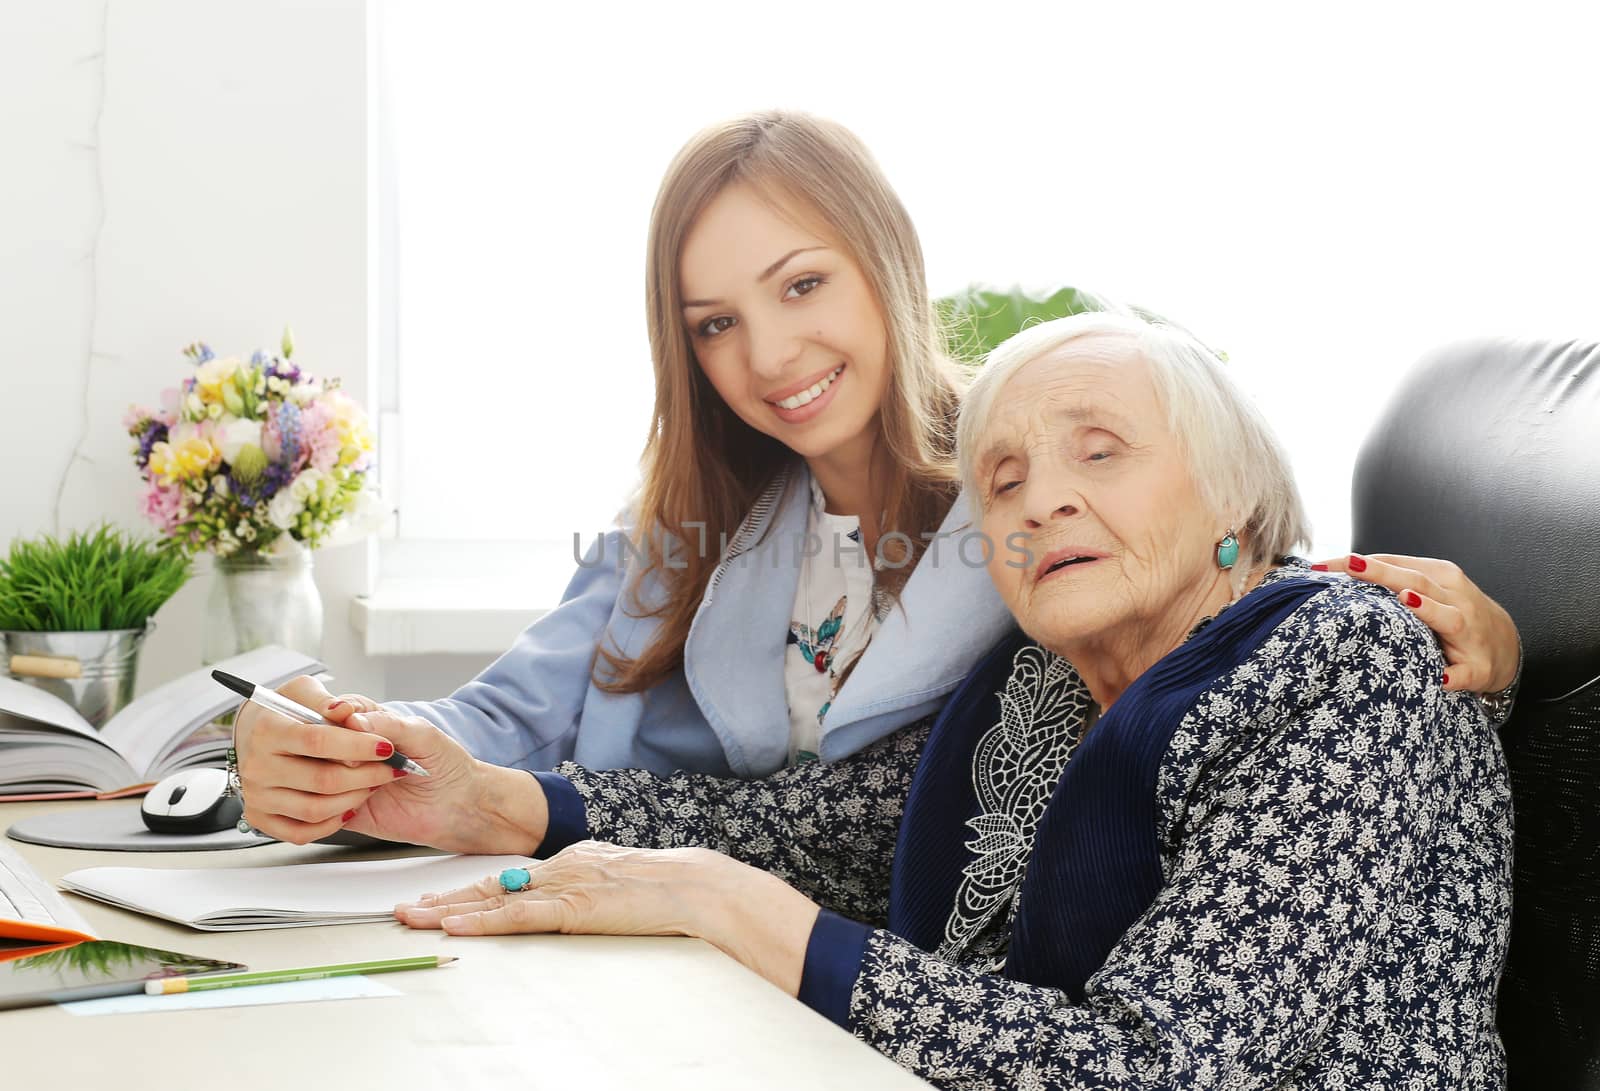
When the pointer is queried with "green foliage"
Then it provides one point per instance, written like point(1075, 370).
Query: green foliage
point(978, 318)
point(100, 579)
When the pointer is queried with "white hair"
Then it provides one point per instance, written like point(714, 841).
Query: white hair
point(1235, 460)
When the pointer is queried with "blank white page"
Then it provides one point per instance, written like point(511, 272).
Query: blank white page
point(227, 899)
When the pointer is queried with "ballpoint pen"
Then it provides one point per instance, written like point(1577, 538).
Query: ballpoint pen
point(205, 983)
point(271, 699)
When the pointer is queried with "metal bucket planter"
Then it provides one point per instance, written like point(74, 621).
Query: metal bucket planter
point(94, 672)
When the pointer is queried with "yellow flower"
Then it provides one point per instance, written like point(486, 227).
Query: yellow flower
point(210, 377)
point(355, 434)
point(181, 461)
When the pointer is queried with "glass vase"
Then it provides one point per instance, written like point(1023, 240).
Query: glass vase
point(263, 598)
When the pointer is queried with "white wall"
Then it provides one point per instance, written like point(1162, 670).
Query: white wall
point(173, 170)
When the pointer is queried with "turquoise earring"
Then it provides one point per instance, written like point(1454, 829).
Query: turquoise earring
point(1227, 551)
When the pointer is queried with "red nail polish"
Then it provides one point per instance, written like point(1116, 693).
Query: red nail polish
point(1446, 681)
point(1319, 567)
point(1358, 563)
point(1411, 599)
point(385, 748)
point(401, 773)
point(348, 815)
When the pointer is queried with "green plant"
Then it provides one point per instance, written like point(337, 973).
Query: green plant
point(94, 580)
point(978, 318)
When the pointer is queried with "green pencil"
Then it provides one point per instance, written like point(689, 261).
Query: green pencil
point(205, 982)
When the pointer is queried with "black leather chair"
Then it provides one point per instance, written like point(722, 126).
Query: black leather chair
point(1489, 455)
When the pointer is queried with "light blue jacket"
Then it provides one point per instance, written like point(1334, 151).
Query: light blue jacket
point(725, 711)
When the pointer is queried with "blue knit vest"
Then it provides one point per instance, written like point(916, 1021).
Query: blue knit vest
point(1096, 862)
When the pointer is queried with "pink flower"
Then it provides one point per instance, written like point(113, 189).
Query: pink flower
point(167, 415)
point(163, 506)
point(171, 402)
point(320, 432)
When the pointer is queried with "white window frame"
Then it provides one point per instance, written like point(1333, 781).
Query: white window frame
point(428, 597)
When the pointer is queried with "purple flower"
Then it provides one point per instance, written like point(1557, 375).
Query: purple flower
point(275, 477)
point(154, 432)
point(282, 369)
point(263, 488)
point(245, 494)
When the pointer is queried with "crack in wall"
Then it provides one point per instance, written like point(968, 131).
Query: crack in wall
point(92, 258)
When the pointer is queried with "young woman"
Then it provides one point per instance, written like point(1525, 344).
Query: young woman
point(797, 579)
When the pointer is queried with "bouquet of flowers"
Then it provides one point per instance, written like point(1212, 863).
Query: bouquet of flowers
point(252, 456)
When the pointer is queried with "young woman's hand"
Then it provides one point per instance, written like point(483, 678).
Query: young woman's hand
point(302, 782)
point(1480, 641)
point(602, 889)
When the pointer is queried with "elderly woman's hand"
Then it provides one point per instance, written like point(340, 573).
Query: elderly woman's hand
point(600, 889)
point(1480, 641)
point(302, 782)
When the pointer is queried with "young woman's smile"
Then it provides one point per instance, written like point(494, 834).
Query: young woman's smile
point(801, 401)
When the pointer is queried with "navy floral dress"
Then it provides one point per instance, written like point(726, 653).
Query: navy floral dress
point(1328, 907)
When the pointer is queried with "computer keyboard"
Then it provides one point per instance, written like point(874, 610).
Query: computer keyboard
point(27, 898)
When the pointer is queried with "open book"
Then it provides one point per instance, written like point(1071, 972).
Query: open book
point(287, 896)
point(47, 749)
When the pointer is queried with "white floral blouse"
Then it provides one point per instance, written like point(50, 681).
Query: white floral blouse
point(836, 612)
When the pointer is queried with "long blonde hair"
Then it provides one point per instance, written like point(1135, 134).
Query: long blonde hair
point(702, 464)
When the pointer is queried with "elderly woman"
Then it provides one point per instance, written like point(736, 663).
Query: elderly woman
point(1208, 819)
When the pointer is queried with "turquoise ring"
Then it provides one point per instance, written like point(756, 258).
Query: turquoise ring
point(513, 879)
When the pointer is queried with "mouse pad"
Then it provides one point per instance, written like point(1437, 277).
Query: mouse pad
point(118, 827)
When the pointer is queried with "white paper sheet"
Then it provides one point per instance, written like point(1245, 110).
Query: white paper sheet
point(294, 895)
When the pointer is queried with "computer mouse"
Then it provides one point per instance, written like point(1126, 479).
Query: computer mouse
point(191, 801)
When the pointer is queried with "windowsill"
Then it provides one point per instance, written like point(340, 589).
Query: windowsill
point(458, 598)
point(441, 619)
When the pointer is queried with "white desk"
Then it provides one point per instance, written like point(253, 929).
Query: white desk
point(573, 1013)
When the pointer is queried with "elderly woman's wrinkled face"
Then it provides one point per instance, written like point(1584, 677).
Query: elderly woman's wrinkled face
point(1079, 457)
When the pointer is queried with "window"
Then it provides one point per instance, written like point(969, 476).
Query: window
point(1325, 193)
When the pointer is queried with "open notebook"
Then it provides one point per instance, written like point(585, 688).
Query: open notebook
point(290, 896)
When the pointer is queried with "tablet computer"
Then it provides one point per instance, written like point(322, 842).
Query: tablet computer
point(83, 971)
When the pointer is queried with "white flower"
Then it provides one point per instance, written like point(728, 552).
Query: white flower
point(285, 508)
point(306, 484)
point(367, 515)
point(236, 434)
